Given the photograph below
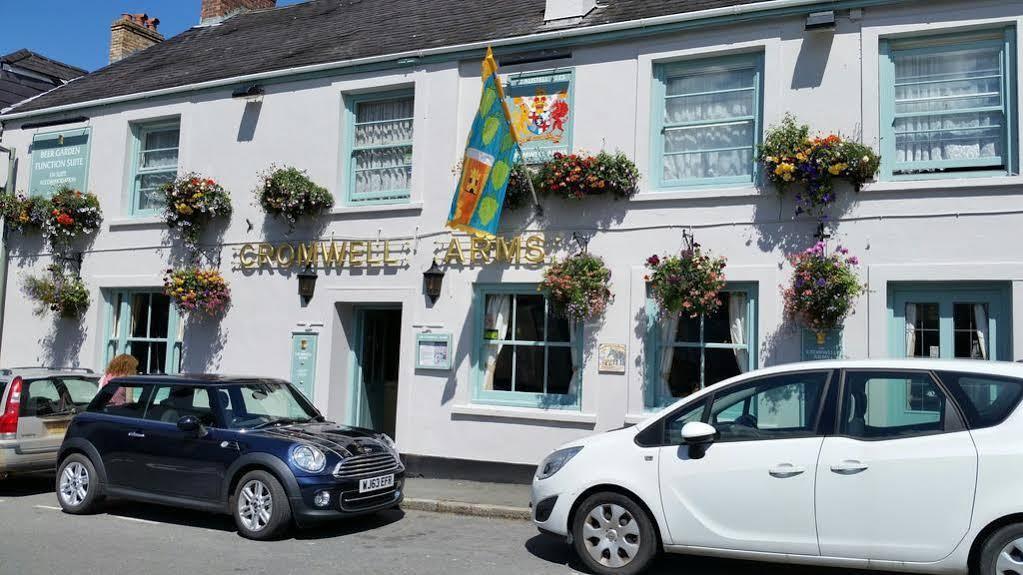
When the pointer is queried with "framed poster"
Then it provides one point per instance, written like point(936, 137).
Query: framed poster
point(433, 351)
point(303, 362)
point(611, 358)
point(59, 159)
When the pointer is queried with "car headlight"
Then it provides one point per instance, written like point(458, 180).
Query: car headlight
point(556, 461)
point(388, 442)
point(308, 458)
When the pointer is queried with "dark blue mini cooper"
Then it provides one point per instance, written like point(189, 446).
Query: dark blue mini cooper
point(252, 447)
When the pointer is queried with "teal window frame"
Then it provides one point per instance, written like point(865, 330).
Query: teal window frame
point(120, 342)
point(519, 398)
point(662, 73)
point(652, 397)
point(139, 131)
point(352, 103)
point(537, 152)
point(1002, 38)
point(997, 295)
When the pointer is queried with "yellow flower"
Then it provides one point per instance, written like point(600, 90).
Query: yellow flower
point(183, 209)
point(801, 157)
point(836, 169)
point(784, 169)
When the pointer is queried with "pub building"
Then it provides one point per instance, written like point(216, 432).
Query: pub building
point(386, 318)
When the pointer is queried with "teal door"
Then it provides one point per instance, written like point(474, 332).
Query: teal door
point(374, 398)
point(303, 362)
point(951, 320)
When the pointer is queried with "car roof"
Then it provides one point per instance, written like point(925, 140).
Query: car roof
point(198, 379)
point(36, 372)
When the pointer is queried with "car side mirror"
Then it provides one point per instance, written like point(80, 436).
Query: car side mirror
point(191, 424)
point(698, 436)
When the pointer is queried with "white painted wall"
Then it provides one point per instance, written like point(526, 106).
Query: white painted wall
point(938, 230)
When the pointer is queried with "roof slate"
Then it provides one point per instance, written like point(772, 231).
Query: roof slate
point(321, 31)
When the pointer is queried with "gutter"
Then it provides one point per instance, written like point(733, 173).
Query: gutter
point(745, 11)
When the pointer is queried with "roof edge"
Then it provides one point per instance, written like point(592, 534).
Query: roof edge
point(758, 10)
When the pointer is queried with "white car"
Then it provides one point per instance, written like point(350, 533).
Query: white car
point(899, 465)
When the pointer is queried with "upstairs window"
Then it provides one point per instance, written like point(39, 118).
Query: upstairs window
point(155, 164)
point(707, 121)
point(380, 144)
point(947, 105)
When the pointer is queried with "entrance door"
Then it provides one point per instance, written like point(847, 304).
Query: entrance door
point(375, 389)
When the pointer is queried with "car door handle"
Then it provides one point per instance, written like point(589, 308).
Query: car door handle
point(849, 467)
point(136, 434)
point(786, 470)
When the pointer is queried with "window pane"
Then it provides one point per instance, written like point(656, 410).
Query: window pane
point(497, 317)
point(384, 110)
point(690, 139)
point(558, 328)
point(39, 398)
point(159, 316)
point(688, 329)
point(731, 163)
point(529, 314)
point(684, 378)
point(717, 326)
point(949, 137)
point(150, 355)
point(710, 96)
point(559, 370)
point(719, 365)
point(970, 330)
point(125, 401)
point(81, 391)
point(160, 139)
point(172, 403)
point(529, 369)
point(384, 180)
point(774, 407)
point(384, 133)
point(926, 336)
point(497, 361)
point(986, 400)
point(150, 190)
point(158, 159)
point(139, 315)
point(379, 158)
point(674, 424)
point(881, 405)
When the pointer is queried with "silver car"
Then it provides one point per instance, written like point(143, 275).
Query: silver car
point(37, 406)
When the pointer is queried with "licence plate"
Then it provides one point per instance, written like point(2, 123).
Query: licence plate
point(376, 483)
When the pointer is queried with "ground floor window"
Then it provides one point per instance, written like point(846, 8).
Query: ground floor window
point(950, 320)
point(687, 354)
point(526, 355)
point(147, 326)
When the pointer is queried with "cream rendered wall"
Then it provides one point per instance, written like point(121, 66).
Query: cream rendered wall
point(937, 230)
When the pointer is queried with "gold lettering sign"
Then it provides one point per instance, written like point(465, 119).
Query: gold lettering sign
point(332, 254)
point(473, 251)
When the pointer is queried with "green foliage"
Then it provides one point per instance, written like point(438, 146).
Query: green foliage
point(578, 286)
point(63, 294)
point(576, 176)
point(288, 193)
point(190, 201)
point(824, 287)
point(687, 284)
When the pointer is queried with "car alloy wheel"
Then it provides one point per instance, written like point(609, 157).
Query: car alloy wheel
point(74, 484)
point(1010, 560)
point(255, 506)
point(611, 535)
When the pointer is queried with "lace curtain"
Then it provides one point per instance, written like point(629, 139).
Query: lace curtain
point(498, 313)
point(943, 105)
point(383, 146)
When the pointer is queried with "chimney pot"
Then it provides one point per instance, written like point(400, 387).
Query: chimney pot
point(216, 10)
point(131, 33)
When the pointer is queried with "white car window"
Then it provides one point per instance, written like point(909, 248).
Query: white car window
point(770, 408)
point(891, 404)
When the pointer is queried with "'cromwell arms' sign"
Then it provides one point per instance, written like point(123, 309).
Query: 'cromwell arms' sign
point(459, 250)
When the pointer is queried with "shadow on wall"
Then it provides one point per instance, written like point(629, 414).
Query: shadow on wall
point(62, 345)
point(814, 54)
point(203, 346)
point(781, 346)
point(249, 121)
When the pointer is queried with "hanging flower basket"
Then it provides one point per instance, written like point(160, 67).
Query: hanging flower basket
point(578, 176)
point(790, 155)
point(71, 215)
point(24, 214)
point(197, 289)
point(578, 287)
point(288, 193)
point(191, 201)
point(63, 294)
point(688, 284)
point(824, 288)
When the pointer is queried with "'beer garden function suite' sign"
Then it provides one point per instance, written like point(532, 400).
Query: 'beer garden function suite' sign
point(60, 159)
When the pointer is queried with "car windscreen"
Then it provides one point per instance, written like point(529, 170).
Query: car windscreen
point(260, 404)
point(80, 390)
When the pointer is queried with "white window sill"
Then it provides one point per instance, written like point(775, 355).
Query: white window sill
point(502, 412)
point(945, 184)
point(139, 222)
point(674, 194)
point(350, 209)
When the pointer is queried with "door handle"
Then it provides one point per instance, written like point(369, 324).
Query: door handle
point(849, 467)
point(786, 470)
point(136, 434)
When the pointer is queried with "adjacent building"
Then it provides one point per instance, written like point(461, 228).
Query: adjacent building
point(375, 99)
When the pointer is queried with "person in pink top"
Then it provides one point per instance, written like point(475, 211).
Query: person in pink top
point(121, 366)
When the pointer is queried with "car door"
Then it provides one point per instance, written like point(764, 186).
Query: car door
point(183, 463)
point(752, 489)
point(897, 480)
point(42, 420)
point(114, 427)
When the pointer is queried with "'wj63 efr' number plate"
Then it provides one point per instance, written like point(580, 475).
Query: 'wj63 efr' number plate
point(376, 483)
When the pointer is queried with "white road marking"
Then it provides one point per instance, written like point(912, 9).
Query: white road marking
point(50, 507)
point(137, 520)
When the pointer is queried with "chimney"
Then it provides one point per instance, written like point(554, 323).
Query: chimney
point(131, 33)
point(562, 9)
point(217, 10)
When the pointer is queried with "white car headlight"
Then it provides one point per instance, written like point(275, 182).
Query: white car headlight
point(556, 461)
point(387, 441)
point(308, 458)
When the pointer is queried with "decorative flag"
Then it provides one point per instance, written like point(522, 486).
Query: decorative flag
point(490, 155)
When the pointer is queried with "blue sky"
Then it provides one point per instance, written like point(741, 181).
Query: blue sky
point(77, 32)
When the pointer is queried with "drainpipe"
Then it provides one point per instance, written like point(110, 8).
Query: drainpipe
point(8, 188)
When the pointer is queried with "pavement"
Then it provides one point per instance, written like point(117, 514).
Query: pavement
point(139, 539)
point(502, 500)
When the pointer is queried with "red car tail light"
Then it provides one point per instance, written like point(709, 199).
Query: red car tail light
point(9, 416)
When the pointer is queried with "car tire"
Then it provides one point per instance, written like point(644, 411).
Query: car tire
point(614, 535)
point(1002, 552)
point(261, 507)
point(77, 485)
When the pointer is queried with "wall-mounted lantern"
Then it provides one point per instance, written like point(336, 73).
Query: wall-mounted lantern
point(433, 279)
point(307, 284)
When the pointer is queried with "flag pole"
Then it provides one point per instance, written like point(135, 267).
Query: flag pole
point(537, 208)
